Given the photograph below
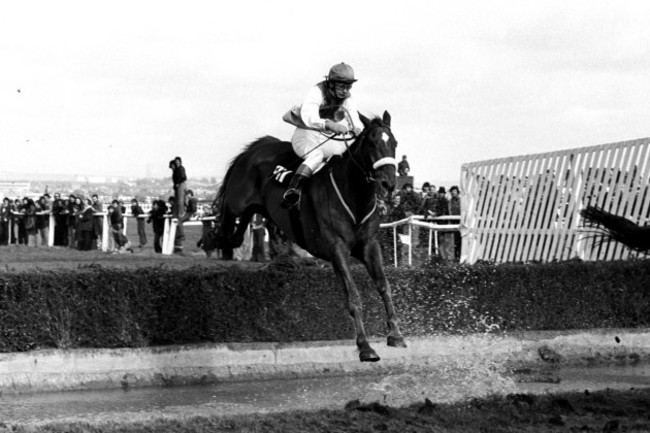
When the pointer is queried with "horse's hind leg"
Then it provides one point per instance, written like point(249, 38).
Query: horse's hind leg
point(371, 257)
point(342, 270)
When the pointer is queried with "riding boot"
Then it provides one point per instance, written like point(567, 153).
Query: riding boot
point(292, 196)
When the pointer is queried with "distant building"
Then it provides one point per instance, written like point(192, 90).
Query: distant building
point(13, 189)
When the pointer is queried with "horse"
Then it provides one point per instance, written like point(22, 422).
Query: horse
point(338, 215)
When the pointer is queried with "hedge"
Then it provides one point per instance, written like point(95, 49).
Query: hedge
point(110, 307)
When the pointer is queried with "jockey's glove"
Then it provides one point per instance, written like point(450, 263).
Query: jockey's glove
point(335, 127)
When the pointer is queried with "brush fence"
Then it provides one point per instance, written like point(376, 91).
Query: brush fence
point(526, 208)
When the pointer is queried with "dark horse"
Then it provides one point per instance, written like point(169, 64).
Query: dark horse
point(338, 215)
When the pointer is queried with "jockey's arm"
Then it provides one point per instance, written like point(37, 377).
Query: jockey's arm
point(351, 106)
point(309, 110)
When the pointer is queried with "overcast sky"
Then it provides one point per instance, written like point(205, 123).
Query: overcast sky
point(121, 87)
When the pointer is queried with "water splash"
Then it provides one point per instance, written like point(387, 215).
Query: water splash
point(445, 383)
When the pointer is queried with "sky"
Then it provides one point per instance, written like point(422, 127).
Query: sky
point(118, 88)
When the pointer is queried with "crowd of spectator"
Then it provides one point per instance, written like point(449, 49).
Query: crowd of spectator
point(78, 222)
point(429, 203)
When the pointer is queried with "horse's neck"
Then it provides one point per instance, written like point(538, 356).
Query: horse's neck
point(357, 192)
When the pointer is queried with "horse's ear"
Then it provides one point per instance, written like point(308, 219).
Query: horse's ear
point(364, 120)
point(387, 118)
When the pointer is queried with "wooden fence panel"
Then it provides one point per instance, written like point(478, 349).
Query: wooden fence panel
point(527, 208)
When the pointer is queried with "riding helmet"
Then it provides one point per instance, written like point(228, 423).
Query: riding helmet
point(342, 73)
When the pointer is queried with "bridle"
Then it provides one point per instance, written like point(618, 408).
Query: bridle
point(376, 164)
point(367, 174)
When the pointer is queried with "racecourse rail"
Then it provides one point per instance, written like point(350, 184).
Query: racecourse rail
point(436, 225)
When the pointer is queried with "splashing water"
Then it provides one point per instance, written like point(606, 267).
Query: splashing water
point(449, 382)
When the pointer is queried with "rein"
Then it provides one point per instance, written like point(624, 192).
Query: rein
point(345, 205)
point(367, 174)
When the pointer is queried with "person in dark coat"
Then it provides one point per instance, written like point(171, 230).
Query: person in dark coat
point(116, 219)
point(136, 212)
point(157, 220)
point(86, 226)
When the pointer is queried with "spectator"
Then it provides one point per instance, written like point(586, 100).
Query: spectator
point(445, 239)
point(425, 189)
point(430, 204)
point(454, 202)
point(31, 230)
point(116, 219)
point(208, 238)
point(429, 211)
point(410, 201)
point(43, 219)
point(157, 221)
point(170, 205)
point(179, 177)
point(395, 213)
point(259, 231)
point(442, 203)
point(98, 223)
point(192, 204)
point(65, 213)
point(19, 221)
point(136, 211)
point(60, 221)
point(5, 221)
point(454, 209)
point(73, 208)
point(86, 226)
point(403, 168)
point(179, 210)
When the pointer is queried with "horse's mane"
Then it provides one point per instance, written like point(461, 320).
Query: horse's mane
point(371, 122)
point(218, 201)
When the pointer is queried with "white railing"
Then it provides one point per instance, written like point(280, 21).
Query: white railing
point(433, 225)
point(106, 239)
point(170, 231)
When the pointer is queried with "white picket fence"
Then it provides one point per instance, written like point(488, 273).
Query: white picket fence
point(526, 208)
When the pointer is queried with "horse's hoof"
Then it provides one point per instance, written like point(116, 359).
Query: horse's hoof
point(368, 356)
point(396, 341)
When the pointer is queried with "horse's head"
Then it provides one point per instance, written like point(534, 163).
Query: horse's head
point(377, 153)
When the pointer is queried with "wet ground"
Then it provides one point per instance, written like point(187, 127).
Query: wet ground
point(447, 384)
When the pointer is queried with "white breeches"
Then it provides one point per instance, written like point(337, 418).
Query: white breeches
point(307, 145)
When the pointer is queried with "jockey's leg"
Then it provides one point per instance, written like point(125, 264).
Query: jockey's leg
point(305, 144)
point(292, 196)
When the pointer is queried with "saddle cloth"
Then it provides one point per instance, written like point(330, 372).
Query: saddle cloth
point(282, 174)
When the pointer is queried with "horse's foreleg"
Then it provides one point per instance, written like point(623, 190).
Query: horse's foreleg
point(340, 260)
point(373, 261)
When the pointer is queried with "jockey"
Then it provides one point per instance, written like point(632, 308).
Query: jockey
point(327, 110)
